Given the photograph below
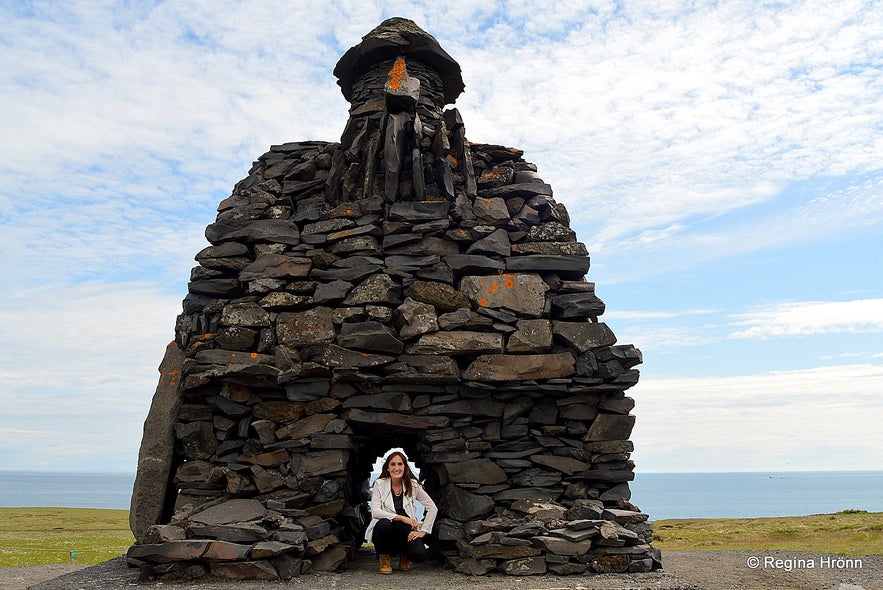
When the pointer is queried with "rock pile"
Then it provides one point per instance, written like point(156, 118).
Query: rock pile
point(404, 287)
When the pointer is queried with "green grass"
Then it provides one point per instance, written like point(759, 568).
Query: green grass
point(41, 536)
point(851, 532)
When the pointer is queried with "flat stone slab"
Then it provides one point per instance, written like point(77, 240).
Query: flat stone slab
point(241, 510)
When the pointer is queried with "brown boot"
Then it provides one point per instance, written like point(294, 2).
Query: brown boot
point(385, 564)
point(404, 563)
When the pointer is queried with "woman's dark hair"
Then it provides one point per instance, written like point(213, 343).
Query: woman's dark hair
point(407, 476)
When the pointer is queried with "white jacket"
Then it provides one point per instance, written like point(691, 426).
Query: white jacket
point(382, 505)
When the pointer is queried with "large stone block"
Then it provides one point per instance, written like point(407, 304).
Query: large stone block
point(184, 550)
point(515, 367)
point(280, 231)
point(474, 471)
point(414, 318)
point(583, 336)
point(530, 336)
point(560, 546)
point(276, 266)
point(372, 336)
point(566, 266)
point(523, 294)
point(319, 463)
point(237, 510)
point(154, 472)
point(314, 326)
point(440, 295)
point(461, 505)
point(457, 342)
point(576, 306)
point(245, 314)
point(379, 288)
point(197, 439)
point(610, 427)
point(384, 421)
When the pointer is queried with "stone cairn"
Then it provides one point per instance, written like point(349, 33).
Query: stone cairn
point(401, 288)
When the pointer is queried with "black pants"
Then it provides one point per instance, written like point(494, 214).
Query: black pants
point(391, 538)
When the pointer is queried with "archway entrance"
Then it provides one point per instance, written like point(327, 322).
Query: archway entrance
point(372, 445)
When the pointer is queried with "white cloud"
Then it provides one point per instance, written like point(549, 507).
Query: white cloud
point(668, 114)
point(806, 318)
point(671, 115)
point(811, 419)
point(624, 314)
point(79, 372)
point(653, 123)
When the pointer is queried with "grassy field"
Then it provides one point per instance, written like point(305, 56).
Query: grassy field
point(39, 536)
point(844, 533)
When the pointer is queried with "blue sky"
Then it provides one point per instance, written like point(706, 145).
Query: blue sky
point(722, 161)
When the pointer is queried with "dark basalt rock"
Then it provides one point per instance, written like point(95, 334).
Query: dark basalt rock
point(403, 287)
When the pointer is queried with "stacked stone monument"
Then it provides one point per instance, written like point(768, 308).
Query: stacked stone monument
point(401, 288)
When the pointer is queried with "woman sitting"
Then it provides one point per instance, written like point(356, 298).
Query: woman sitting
point(394, 529)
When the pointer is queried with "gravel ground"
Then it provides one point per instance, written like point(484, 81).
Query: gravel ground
point(775, 570)
point(685, 570)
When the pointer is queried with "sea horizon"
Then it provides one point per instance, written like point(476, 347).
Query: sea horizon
point(662, 495)
point(133, 473)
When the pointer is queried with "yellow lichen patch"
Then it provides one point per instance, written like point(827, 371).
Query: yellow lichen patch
point(397, 74)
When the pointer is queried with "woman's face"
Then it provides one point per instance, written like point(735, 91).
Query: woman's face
point(396, 467)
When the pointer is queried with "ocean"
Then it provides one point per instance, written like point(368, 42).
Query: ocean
point(756, 494)
point(661, 495)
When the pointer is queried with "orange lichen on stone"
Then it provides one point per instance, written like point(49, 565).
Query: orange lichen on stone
point(172, 377)
point(397, 74)
point(488, 176)
point(453, 161)
point(483, 302)
point(254, 355)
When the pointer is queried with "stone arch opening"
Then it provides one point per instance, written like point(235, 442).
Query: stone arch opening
point(373, 443)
